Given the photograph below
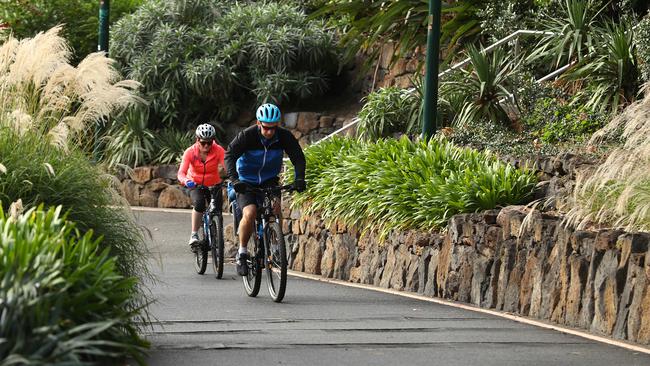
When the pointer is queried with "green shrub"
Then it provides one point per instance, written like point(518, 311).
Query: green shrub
point(400, 184)
point(500, 140)
point(40, 173)
point(205, 59)
point(81, 19)
point(64, 300)
point(554, 120)
point(388, 111)
point(570, 33)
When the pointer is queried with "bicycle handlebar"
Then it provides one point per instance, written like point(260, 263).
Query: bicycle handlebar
point(218, 185)
point(286, 187)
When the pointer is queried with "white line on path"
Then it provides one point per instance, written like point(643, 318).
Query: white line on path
point(520, 319)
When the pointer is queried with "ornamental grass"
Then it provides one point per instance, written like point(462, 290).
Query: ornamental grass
point(400, 184)
point(617, 192)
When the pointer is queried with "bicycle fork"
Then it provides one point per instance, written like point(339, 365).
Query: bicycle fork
point(206, 230)
point(264, 249)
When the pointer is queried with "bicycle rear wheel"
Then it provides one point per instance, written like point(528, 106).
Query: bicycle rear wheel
point(276, 261)
point(253, 280)
point(216, 230)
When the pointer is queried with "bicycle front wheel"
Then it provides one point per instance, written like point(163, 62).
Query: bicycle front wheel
point(216, 230)
point(201, 260)
point(276, 261)
point(253, 280)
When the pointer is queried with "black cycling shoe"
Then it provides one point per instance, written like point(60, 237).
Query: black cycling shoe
point(242, 265)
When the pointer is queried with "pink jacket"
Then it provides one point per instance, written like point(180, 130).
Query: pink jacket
point(205, 173)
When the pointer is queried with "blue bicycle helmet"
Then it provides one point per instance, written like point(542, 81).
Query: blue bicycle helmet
point(268, 113)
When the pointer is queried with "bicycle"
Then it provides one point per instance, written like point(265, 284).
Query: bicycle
point(268, 248)
point(212, 233)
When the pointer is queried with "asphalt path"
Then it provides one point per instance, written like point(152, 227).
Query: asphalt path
point(205, 321)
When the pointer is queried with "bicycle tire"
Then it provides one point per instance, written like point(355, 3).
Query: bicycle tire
point(276, 259)
point(201, 262)
point(217, 245)
point(253, 280)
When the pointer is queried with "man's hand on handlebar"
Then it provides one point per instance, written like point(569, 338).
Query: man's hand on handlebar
point(299, 185)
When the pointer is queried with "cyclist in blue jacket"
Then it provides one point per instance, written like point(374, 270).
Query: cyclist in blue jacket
point(254, 158)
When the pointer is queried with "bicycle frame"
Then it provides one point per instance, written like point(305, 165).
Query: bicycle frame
point(270, 250)
point(212, 232)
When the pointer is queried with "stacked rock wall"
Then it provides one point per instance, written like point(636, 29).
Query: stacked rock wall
point(499, 259)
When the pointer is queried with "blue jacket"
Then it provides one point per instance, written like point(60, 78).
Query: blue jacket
point(253, 159)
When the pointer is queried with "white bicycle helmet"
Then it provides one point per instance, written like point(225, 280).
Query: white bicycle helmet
point(206, 132)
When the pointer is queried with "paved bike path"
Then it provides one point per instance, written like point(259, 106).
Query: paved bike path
point(205, 321)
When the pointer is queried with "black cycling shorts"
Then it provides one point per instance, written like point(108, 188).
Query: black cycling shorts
point(250, 198)
point(200, 198)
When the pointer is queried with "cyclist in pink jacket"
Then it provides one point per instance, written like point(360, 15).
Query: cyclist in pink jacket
point(200, 167)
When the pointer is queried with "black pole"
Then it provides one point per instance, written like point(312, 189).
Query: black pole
point(431, 76)
point(102, 46)
point(104, 12)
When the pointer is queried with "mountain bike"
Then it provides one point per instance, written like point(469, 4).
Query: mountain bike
point(267, 247)
point(211, 237)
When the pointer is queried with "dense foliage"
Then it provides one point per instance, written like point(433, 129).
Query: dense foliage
point(401, 184)
point(202, 60)
point(64, 301)
point(365, 24)
point(80, 17)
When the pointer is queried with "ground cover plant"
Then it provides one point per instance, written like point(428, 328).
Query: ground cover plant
point(400, 184)
point(202, 61)
point(64, 300)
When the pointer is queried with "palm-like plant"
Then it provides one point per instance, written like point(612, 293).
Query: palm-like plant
point(611, 73)
point(170, 145)
point(366, 23)
point(129, 141)
point(484, 92)
point(387, 111)
point(570, 38)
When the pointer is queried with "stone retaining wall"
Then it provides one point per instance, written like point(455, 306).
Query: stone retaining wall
point(598, 281)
